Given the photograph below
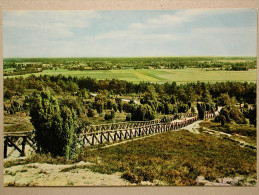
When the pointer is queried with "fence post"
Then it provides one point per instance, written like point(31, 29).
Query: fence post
point(23, 146)
point(5, 147)
point(92, 139)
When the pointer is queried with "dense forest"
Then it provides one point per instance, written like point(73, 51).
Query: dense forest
point(90, 96)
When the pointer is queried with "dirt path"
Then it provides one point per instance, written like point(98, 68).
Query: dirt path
point(78, 174)
point(229, 136)
point(193, 128)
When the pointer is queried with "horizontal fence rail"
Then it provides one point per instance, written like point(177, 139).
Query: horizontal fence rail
point(99, 134)
point(18, 140)
point(130, 124)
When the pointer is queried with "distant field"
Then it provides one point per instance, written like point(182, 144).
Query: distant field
point(161, 75)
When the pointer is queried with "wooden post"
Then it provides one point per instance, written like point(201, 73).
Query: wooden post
point(101, 138)
point(23, 146)
point(115, 133)
point(108, 136)
point(139, 133)
point(121, 135)
point(5, 147)
point(87, 140)
point(92, 139)
point(130, 133)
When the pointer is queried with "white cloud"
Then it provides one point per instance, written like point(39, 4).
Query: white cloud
point(115, 35)
point(135, 36)
point(226, 30)
point(48, 24)
point(51, 33)
point(77, 19)
point(182, 17)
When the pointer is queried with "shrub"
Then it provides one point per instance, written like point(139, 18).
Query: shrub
point(8, 94)
point(145, 173)
point(110, 115)
point(224, 99)
point(193, 110)
point(131, 177)
point(91, 112)
point(77, 106)
point(236, 115)
point(165, 119)
point(142, 113)
point(99, 106)
point(128, 117)
point(183, 108)
point(201, 110)
point(252, 115)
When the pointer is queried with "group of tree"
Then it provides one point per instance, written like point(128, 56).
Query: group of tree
point(57, 104)
point(55, 125)
point(189, 92)
point(21, 66)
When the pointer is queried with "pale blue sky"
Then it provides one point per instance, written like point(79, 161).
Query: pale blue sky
point(193, 32)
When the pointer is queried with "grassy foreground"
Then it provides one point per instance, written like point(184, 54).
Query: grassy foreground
point(170, 158)
point(176, 158)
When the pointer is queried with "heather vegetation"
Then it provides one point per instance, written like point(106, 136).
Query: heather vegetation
point(176, 158)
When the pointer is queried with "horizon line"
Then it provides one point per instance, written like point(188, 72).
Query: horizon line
point(130, 56)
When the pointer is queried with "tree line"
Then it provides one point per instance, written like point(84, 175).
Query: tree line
point(15, 66)
point(243, 92)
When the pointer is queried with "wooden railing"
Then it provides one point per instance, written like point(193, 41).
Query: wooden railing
point(128, 125)
point(99, 134)
point(15, 139)
point(100, 137)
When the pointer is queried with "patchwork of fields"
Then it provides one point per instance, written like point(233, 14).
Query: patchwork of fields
point(161, 75)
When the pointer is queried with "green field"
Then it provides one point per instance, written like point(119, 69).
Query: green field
point(161, 75)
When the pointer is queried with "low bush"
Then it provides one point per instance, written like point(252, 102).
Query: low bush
point(176, 158)
point(109, 116)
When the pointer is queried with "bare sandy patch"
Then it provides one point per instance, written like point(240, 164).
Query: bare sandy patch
point(42, 174)
point(193, 128)
point(227, 181)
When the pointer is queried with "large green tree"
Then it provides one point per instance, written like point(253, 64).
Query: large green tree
point(54, 125)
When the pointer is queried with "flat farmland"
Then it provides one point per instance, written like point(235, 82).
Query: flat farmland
point(161, 75)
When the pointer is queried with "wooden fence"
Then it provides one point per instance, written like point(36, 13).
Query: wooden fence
point(128, 125)
point(18, 140)
point(99, 134)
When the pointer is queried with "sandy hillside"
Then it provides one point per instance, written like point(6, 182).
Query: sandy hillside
point(78, 174)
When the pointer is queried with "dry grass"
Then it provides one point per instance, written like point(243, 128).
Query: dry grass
point(243, 132)
point(177, 158)
point(17, 122)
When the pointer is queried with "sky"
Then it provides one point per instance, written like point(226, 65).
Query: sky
point(126, 33)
